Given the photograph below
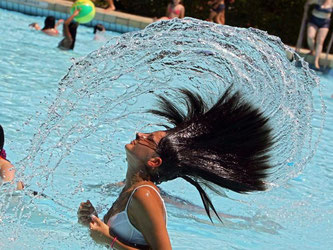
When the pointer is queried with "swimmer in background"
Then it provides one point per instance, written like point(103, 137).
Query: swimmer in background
point(7, 170)
point(69, 32)
point(217, 11)
point(318, 26)
point(50, 27)
point(99, 31)
point(34, 26)
point(175, 9)
point(226, 144)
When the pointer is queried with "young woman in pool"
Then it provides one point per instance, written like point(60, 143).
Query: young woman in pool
point(318, 26)
point(226, 145)
point(50, 26)
point(175, 9)
point(7, 170)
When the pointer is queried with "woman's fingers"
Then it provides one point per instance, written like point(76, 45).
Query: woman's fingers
point(84, 219)
point(86, 206)
point(95, 219)
point(88, 209)
point(95, 223)
point(85, 212)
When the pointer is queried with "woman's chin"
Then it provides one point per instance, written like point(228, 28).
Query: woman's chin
point(129, 148)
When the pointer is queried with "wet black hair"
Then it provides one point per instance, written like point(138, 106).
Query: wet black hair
point(72, 29)
point(2, 138)
point(49, 23)
point(99, 27)
point(226, 144)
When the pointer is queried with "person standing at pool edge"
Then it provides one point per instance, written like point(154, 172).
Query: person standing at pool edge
point(318, 26)
point(226, 144)
point(111, 5)
point(217, 12)
point(7, 170)
point(175, 9)
point(69, 32)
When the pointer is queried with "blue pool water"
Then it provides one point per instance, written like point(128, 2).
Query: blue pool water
point(47, 115)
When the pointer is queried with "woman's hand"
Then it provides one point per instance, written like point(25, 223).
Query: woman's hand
point(86, 210)
point(76, 12)
point(98, 225)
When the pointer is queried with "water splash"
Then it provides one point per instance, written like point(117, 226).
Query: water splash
point(102, 100)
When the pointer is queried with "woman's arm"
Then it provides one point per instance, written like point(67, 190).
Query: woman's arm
point(7, 171)
point(147, 214)
point(182, 12)
point(167, 13)
point(66, 31)
point(60, 21)
point(100, 233)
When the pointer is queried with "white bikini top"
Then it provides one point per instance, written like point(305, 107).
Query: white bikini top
point(121, 226)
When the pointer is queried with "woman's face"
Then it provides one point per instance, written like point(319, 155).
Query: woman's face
point(143, 148)
point(176, 2)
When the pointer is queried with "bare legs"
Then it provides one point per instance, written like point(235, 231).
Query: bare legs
point(212, 15)
point(315, 39)
point(321, 36)
point(111, 5)
point(220, 18)
point(312, 30)
point(217, 17)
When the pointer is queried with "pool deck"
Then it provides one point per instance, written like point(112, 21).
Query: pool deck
point(60, 9)
point(322, 59)
point(112, 20)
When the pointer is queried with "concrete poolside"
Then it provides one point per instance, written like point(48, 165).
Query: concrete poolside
point(323, 61)
point(112, 20)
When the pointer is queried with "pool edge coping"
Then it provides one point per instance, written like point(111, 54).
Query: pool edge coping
point(112, 20)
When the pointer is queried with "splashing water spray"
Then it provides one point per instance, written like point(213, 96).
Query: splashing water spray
point(103, 99)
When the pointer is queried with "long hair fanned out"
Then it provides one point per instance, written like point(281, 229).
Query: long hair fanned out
point(227, 144)
point(2, 138)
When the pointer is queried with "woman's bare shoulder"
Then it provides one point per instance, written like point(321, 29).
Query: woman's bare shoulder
point(5, 164)
point(144, 194)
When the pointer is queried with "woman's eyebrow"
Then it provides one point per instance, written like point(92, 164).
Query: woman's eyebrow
point(151, 138)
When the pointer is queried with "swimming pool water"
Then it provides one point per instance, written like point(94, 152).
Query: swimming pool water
point(296, 215)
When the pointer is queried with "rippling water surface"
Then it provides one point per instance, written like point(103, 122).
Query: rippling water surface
point(66, 131)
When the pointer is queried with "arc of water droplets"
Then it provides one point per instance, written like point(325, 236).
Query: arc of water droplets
point(102, 100)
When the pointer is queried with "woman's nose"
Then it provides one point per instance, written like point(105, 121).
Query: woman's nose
point(140, 136)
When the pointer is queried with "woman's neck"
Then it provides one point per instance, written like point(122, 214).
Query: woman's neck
point(134, 177)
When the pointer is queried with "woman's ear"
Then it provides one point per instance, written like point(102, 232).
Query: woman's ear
point(154, 162)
